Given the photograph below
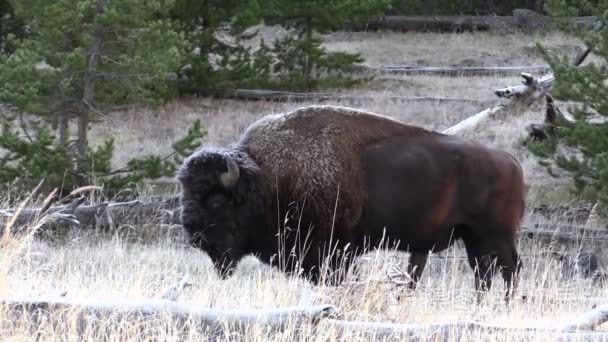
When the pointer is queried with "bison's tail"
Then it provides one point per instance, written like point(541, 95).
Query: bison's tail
point(523, 209)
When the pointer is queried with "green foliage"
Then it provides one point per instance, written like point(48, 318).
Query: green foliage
point(564, 8)
point(295, 62)
point(211, 63)
point(300, 61)
point(586, 85)
point(78, 60)
point(10, 27)
point(146, 167)
point(30, 161)
point(465, 7)
point(38, 155)
point(322, 15)
point(303, 64)
point(138, 54)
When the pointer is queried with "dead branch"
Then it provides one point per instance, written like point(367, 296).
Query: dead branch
point(88, 311)
point(174, 291)
point(532, 88)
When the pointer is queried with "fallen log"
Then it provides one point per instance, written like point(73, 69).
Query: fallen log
point(472, 121)
point(563, 236)
point(453, 71)
point(87, 312)
point(462, 23)
point(167, 211)
point(288, 96)
point(106, 213)
point(589, 320)
point(426, 23)
point(448, 331)
point(216, 322)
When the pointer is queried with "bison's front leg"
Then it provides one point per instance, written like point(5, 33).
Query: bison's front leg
point(326, 268)
point(415, 267)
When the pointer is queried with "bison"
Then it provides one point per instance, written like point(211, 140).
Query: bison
point(320, 184)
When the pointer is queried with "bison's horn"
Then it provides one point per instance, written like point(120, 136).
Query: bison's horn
point(230, 177)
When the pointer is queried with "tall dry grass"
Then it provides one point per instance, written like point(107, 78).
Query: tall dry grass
point(88, 265)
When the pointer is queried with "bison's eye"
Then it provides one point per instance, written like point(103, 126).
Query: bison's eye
point(217, 201)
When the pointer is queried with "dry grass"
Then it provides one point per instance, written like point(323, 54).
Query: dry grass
point(445, 49)
point(90, 266)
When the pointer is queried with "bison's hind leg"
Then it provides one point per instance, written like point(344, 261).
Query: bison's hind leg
point(415, 267)
point(485, 254)
point(510, 263)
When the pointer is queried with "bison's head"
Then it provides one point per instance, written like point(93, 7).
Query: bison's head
point(220, 204)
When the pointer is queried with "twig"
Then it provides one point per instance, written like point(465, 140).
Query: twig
point(94, 110)
point(13, 219)
point(396, 275)
point(174, 291)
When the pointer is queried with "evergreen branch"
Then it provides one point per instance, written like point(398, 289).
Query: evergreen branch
point(127, 169)
point(91, 108)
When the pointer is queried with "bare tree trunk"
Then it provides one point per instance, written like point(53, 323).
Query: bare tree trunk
point(88, 96)
point(62, 128)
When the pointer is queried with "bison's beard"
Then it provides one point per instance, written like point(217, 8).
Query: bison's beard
point(224, 265)
point(224, 259)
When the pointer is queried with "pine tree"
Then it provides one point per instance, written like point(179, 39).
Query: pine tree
point(213, 63)
point(10, 27)
point(300, 57)
point(586, 85)
point(78, 60)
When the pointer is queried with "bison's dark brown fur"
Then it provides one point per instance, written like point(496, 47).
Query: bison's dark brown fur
point(352, 176)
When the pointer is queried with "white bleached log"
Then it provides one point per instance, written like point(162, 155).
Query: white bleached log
point(472, 121)
point(88, 311)
point(451, 331)
point(588, 320)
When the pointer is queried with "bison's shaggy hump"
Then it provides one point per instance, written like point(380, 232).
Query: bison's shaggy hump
point(315, 152)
